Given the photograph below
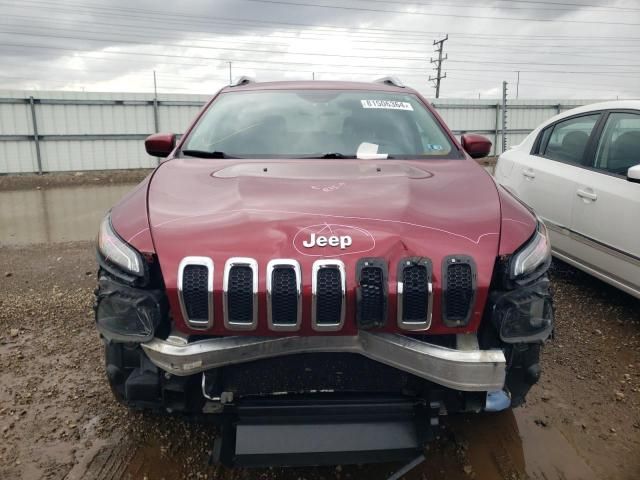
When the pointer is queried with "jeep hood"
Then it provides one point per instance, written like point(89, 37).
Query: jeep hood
point(267, 210)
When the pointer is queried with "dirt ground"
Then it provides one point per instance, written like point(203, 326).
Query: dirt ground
point(58, 419)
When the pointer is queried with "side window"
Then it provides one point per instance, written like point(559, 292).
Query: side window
point(619, 146)
point(567, 140)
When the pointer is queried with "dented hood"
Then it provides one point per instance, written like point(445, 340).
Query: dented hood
point(312, 209)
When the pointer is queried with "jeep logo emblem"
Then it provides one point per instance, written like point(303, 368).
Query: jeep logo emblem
point(343, 241)
point(330, 240)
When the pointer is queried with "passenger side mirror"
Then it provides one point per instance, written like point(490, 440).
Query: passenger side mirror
point(160, 144)
point(475, 145)
point(633, 174)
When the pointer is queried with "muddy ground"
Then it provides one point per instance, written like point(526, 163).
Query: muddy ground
point(58, 419)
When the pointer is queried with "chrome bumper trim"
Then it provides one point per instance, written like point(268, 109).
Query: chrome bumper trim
point(471, 370)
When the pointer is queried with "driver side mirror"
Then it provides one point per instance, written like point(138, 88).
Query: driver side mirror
point(475, 145)
point(633, 174)
point(160, 144)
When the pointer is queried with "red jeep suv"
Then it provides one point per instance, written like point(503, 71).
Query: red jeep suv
point(325, 270)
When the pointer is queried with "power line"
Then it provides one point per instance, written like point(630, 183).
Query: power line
point(475, 59)
point(581, 5)
point(562, 5)
point(270, 23)
point(146, 54)
point(472, 60)
point(457, 42)
point(139, 27)
point(297, 37)
point(559, 72)
point(454, 15)
point(170, 18)
point(235, 42)
point(235, 49)
point(527, 62)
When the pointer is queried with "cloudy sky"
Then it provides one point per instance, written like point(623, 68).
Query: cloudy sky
point(562, 49)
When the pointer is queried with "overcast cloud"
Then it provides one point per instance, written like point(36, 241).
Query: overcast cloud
point(572, 49)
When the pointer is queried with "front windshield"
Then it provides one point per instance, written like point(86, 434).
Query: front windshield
point(310, 123)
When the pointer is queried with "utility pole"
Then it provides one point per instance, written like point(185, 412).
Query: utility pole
point(155, 103)
point(155, 85)
point(518, 84)
point(438, 61)
point(230, 80)
point(504, 116)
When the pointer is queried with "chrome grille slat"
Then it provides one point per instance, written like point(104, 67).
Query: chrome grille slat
point(195, 291)
point(284, 295)
point(414, 294)
point(240, 293)
point(328, 287)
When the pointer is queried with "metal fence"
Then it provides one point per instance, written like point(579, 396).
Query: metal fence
point(73, 131)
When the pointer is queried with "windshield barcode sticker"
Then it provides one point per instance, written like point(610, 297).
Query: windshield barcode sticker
point(386, 104)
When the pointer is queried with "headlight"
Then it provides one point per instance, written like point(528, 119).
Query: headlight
point(127, 314)
point(533, 257)
point(524, 315)
point(117, 252)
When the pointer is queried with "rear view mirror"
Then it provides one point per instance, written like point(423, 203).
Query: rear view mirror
point(160, 144)
point(475, 145)
point(633, 174)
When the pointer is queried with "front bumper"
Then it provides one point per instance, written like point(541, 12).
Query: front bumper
point(468, 369)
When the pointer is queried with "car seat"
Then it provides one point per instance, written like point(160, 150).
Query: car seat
point(625, 152)
point(573, 146)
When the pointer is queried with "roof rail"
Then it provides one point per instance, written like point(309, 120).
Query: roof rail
point(242, 81)
point(394, 81)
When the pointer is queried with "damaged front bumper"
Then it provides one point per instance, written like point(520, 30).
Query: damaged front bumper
point(467, 368)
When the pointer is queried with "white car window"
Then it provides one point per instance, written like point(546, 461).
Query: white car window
point(619, 146)
point(568, 140)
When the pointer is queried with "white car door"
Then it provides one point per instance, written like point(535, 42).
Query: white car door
point(545, 174)
point(606, 206)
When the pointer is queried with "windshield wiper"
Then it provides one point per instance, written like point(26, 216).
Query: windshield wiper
point(206, 154)
point(329, 155)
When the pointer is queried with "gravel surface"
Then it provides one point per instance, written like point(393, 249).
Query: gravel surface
point(59, 420)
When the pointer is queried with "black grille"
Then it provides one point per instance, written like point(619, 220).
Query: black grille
point(311, 372)
point(458, 298)
point(284, 296)
point(372, 302)
point(328, 296)
point(195, 293)
point(240, 294)
point(415, 300)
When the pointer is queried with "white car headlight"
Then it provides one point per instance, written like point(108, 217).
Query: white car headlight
point(535, 254)
point(117, 251)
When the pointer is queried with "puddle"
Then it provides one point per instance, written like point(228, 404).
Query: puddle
point(56, 214)
point(511, 445)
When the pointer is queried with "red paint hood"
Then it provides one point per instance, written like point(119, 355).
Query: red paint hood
point(267, 209)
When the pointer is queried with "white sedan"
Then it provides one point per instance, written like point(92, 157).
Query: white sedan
point(580, 171)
